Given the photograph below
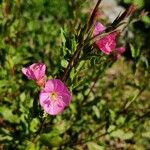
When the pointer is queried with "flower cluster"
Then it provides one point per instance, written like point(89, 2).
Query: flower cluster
point(54, 96)
point(107, 44)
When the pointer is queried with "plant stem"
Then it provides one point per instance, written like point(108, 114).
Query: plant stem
point(71, 63)
point(93, 15)
point(40, 128)
point(128, 103)
point(75, 57)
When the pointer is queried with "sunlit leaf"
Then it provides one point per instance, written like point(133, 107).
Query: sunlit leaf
point(94, 146)
point(8, 115)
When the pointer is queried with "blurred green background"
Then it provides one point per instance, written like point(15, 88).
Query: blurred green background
point(109, 110)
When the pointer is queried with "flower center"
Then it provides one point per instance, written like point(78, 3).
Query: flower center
point(53, 96)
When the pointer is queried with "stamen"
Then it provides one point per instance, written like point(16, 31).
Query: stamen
point(53, 96)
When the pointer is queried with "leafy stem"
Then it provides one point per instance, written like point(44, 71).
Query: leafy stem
point(85, 42)
point(74, 59)
point(71, 63)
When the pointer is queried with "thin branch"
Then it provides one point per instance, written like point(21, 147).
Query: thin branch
point(40, 128)
point(71, 63)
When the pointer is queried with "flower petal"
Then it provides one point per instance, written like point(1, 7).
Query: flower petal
point(98, 28)
point(106, 44)
point(49, 86)
point(35, 71)
point(54, 106)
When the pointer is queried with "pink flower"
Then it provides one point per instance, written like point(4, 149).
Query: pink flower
point(106, 44)
point(35, 72)
point(54, 97)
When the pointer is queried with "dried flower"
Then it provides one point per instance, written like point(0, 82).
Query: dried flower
point(54, 97)
point(35, 72)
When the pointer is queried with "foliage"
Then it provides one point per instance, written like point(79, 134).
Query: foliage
point(110, 107)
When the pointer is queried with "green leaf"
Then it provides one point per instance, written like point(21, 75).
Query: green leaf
point(34, 125)
point(31, 146)
point(61, 126)
point(72, 74)
point(80, 65)
point(112, 114)
point(121, 134)
point(22, 97)
point(128, 135)
point(8, 115)
point(127, 1)
point(111, 128)
point(73, 108)
point(146, 134)
point(64, 63)
point(73, 44)
point(132, 51)
point(94, 146)
point(117, 134)
point(96, 111)
point(51, 140)
point(146, 20)
point(3, 83)
point(120, 120)
point(63, 39)
point(62, 36)
point(139, 3)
